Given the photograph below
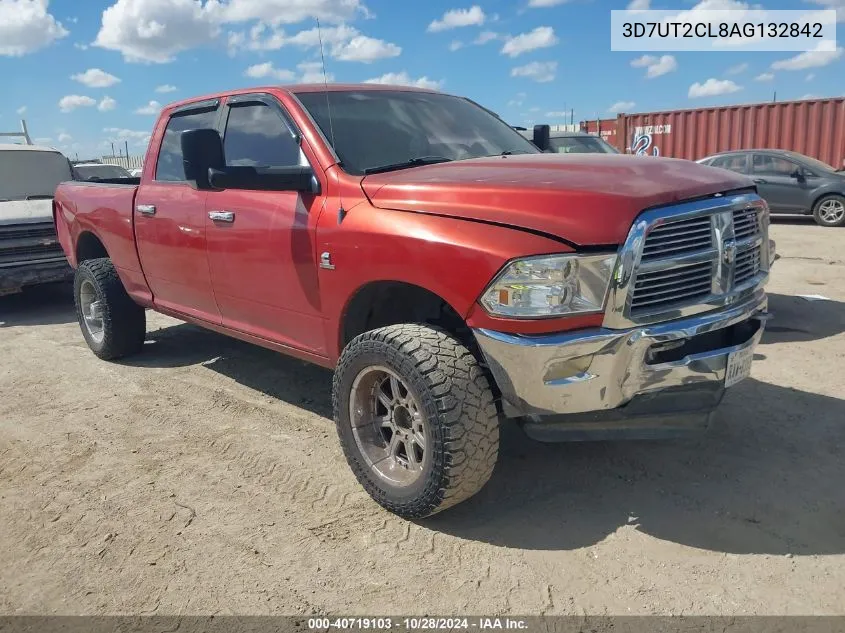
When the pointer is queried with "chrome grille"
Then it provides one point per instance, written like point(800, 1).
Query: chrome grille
point(746, 223)
point(747, 265)
point(677, 238)
point(665, 288)
point(688, 258)
point(28, 243)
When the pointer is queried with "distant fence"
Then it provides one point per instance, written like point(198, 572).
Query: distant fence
point(128, 162)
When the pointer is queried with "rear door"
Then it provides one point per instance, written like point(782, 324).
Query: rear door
point(261, 244)
point(170, 225)
point(777, 184)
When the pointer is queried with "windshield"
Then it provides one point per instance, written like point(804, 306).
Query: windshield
point(581, 145)
point(378, 128)
point(87, 172)
point(31, 173)
point(813, 163)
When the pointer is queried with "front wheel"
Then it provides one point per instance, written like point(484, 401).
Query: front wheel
point(416, 418)
point(113, 325)
point(830, 211)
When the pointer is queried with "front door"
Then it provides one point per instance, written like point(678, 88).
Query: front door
point(170, 226)
point(261, 246)
point(777, 183)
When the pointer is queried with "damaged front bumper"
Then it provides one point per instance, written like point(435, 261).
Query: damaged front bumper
point(645, 381)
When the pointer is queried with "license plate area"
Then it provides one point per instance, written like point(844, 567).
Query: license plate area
point(739, 366)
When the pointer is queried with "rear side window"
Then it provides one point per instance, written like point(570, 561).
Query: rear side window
point(169, 167)
point(256, 136)
point(734, 163)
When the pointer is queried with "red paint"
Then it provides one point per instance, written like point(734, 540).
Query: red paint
point(446, 228)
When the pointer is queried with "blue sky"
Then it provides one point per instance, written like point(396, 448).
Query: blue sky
point(87, 72)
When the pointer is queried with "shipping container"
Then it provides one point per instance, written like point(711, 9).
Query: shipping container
point(606, 128)
point(815, 127)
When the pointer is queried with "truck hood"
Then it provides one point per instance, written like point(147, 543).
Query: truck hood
point(26, 211)
point(586, 199)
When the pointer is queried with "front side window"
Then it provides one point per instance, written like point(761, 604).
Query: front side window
point(769, 165)
point(374, 128)
point(256, 136)
point(169, 167)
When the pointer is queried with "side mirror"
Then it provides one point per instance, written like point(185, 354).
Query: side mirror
point(297, 178)
point(798, 174)
point(202, 150)
point(542, 138)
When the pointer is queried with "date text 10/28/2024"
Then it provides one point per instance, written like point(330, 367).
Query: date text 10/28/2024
point(417, 624)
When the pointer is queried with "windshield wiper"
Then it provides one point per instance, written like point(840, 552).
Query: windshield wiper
point(411, 162)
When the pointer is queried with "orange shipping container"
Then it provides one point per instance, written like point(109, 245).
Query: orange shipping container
point(814, 127)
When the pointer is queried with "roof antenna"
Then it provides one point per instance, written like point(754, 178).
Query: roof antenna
point(341, 213)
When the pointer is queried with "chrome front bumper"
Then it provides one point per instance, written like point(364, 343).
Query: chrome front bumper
point(602, 369)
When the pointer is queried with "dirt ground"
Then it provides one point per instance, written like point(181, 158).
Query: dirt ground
point(204, 476)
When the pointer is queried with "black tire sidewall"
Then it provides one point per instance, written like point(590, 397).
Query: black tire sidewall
point(817, 208)
point(428, 489)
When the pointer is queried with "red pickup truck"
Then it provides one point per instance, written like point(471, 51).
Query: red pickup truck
point(451, 273)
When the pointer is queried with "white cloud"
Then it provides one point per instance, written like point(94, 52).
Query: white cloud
point(839, 5)
point(809, 59)
point(656, 66)
point(267, 70)
point(64, 137)
point(275, 12)
point(165, 88)
point(737, 70)
point(809, 96)
point(153, 107)
point(765, 77)
point(25, 26)
point(365, 49)
point(95, 78)
point(106, 104)
point(21, 111)
point(456, 45)
point(540, 72)
point(402, 79)
point(485, 36)
point(120, 134)
point(639, 5)
point(312, 73)
point(80, 46)
point(518, 100)
point(538, 4)
point(541, 37)
point(72, 102)
point(622, 106)
point(557, 114)
point(455, 18)
point(810, 77)
point(712, 88)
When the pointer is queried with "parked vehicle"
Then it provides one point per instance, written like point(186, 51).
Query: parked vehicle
point(99, 171)
point(29, 249)
point(561, 142)
point(790, 182)
point(448, 271)
point(135, 173)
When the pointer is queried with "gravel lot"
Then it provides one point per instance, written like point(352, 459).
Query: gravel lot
point(204, 476)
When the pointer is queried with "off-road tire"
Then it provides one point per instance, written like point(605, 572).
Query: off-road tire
point(454, 395)
point(124, 321)
point(817, 210)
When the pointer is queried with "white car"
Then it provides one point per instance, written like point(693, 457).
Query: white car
point(136, 173)
point(99, 171)
point(29, 248)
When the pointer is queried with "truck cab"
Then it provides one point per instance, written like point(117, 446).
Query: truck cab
point(30, 252)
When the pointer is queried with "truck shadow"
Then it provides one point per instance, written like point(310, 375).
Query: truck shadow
point(766, 479)
point(48, 304)
point(800, 320)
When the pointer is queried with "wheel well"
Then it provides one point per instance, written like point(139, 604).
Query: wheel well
point(384, 303)
point(824, 195)
point(89, 246)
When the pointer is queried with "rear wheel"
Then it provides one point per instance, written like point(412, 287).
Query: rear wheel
point(830, 210)
point(113, 325)
point(416, 418)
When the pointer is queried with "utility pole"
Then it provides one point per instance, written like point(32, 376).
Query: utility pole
point(127, 149)
point(112, 148)
point(775, 97)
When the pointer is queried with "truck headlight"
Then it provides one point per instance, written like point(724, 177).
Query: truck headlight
point(550, 285)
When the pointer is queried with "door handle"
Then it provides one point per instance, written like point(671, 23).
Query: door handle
point(146, 209)
point(760, 181)
point(222, 216)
